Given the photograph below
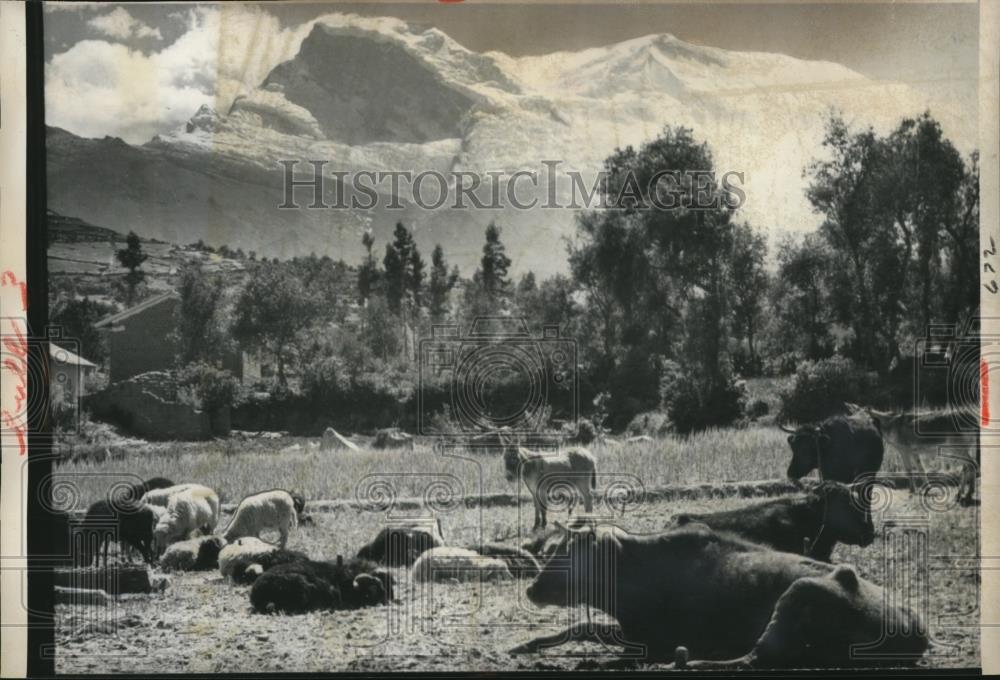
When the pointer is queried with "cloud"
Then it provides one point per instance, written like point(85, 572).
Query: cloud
point(119, 24)
point(49, 6)
point(98, 88)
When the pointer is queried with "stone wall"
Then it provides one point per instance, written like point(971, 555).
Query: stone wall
point(147, 406)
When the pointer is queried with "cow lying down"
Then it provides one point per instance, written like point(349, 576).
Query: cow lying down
point(307, 585)
point(812, 523)
point(728, 602)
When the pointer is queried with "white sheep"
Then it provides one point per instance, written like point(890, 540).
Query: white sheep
point(196, 508)
point(266, 510)
point(194, 554)
point(448, 563)
point(235, 550)
point(162, 496)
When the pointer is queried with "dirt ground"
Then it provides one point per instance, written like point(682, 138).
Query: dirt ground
point(201, 623)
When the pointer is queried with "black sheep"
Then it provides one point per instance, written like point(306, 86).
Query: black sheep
point(301, 586)
point(243, 576)
point(132, 523)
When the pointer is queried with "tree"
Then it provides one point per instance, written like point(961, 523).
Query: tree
point(896, 211)
point(270, 311)
point(658, 274)
point(494, 265)
point(75, 318)
point(489, 292)
point(200, 334)
point(800, 299)
point(748, 283)
point(368, 273)
point(440, 286)
point(131, 257)
point(404, 279)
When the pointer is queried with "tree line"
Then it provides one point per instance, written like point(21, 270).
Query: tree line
point(670, 309)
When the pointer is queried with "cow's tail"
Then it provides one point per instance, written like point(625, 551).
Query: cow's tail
point(593, 478)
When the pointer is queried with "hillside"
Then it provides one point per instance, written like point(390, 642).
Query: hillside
point(385, 95)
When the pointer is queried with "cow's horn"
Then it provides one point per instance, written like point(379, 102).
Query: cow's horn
point(782, 427)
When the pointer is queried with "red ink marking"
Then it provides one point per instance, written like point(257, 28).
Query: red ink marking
point(984, 392)
point(8, 277)
point(17, 363)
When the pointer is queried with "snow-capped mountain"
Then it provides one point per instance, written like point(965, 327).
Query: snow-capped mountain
point(384, 95)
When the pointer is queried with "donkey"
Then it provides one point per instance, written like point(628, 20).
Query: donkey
point(547, 475)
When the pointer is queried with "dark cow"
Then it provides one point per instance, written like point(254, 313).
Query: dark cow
point(843, 449)
point(829, 513)
point(302, 586)
point(522, 563)
point(132, 523)
point(723, 599)
point(243, 574)
point(401, 545)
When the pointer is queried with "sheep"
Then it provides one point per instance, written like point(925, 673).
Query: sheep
point(522, 564)
point(243, 550)
point(194, 554)
point(133, 524)
point(266, 510)
point(196, 508)
point(245, 568)
point(302, 586)
point(447, 563)
point(401, 544)
point(162, 495)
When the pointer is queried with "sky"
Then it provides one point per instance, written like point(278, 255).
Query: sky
point(133, 70)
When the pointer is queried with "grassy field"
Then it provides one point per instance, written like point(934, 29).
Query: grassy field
point(236, 468)
point(202, 623)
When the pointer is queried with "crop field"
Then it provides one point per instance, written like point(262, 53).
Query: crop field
point(450, 627)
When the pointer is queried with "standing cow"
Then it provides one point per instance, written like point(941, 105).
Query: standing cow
point(547, 475)
point(843, 448)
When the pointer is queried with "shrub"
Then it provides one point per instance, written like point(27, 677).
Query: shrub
point(693, 407)
point(651, 423)
point(821, 387)
point(211, 388)
point(757, 408)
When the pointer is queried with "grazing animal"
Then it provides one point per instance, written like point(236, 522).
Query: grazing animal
point(162, 495)
point(194, 509)
point(520, 562)
point(401, 544)
point(301, 586)
point(939, 434)
point(243, 551)
point(460, 564)
point(132, 523)
point(247, 567)
point(299, 501)
point(843, 449)
point(829, 513)
point(194, 554)
point(133, 493)
point(723, 599)
point(260, 512)
point(547, 475)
